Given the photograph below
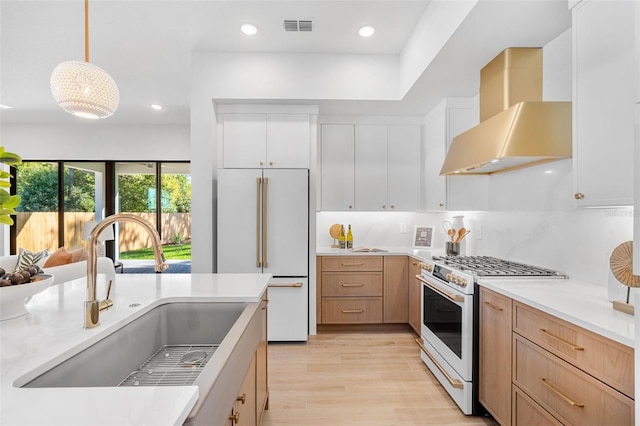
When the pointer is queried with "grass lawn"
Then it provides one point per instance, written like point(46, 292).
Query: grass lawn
point(171, 252)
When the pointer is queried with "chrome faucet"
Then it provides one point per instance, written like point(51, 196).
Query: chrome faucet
point(93, 306)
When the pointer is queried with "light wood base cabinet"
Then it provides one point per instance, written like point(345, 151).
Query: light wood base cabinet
point(368, 289)
point(556, 372)
point(495, 355)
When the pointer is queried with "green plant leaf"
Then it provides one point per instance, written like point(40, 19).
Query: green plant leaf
point(4, 175)
point(10, 158)
point(6, 220)
point(5, 211)
point(5, 184)
point(4, 196)
point(14, 201)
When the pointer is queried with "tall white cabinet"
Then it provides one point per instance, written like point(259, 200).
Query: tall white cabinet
point(604, 76)
point(448, 119)
point(370, 167)
point(636, 224)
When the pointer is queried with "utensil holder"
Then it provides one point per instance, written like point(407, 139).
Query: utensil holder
point(452, 249)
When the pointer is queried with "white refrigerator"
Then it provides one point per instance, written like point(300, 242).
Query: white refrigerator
point(263, 227)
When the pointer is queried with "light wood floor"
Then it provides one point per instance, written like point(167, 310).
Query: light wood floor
point(372, 379)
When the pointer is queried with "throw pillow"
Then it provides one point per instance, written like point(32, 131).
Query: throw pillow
point(27, 258)
point(78, 254)
point(59, 257)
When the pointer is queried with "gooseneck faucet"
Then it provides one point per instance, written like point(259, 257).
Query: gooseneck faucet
point(93, 306)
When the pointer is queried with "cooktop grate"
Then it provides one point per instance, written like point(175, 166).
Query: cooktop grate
point(488, 266)
point(172, 365)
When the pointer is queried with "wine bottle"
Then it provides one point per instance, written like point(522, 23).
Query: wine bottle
point(349, 238)
point(342, 240)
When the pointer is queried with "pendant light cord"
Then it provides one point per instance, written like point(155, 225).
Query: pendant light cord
point(86, 30)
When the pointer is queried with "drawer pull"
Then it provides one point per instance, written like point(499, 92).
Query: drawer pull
point(453, 297)
point(492, 306)
point(457, 384)
point(242, 398)
point(352, 311)
point(353, 285)
point(352, 264)
point(566, 342)
point(280, 285)
point(560, 394)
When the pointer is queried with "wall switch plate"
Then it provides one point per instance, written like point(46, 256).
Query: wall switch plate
point(403, 228)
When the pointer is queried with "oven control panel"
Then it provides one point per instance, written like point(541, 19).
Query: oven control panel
point(452, 277)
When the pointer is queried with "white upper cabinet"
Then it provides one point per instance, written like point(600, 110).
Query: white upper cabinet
point(603, 102)
point(370, 167)
point(266, 141)
point(337, 158)
point(403, 167)
point(448, 119)
point(387, 168)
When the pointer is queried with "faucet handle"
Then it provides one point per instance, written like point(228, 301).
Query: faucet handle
point(107, 303)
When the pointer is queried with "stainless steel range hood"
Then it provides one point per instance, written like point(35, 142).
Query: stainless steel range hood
point(517, 129)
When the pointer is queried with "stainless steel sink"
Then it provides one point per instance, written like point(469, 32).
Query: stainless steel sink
point(175, 333)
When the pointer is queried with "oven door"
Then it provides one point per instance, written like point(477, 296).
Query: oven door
point(447, 324)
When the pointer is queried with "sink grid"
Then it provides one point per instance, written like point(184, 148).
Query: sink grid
point(172, 365)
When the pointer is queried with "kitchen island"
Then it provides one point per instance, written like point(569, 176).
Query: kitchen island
point(53, 331)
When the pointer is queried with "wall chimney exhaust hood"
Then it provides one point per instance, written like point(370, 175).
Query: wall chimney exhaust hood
point(516, 128)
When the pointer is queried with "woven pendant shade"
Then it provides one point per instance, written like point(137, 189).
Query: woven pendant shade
point(83, 89)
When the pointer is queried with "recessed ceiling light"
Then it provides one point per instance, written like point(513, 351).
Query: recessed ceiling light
point(248, 29)
point(5, 107)
point(156, 107)
point(366, 31)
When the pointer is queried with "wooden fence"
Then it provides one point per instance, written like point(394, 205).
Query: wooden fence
point(39, 230)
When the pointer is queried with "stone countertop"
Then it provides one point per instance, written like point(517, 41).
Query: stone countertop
point(579, 302)
point(53, 331)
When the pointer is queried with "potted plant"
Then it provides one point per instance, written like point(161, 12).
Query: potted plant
point(8, 202)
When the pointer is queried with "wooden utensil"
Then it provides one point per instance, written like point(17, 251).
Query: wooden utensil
point(462, 232)
point(452, 234)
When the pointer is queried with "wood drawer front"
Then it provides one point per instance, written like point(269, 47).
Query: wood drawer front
point(351, 284)
point(527, 412)
point(347, 310)
point(560, 388)
point(603, 358)
point(352, 263)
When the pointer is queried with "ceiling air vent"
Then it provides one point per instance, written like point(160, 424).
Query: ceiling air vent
point(297, 25)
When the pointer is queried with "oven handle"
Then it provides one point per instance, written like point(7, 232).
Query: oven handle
point(457, 384)
point(454, 297)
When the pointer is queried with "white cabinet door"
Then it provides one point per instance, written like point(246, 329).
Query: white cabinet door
point(371, 167)
point(287, 141)
point(403, 168)
point(288, 309)
point(238, 228)
point(337, 167)
point(244, 140)
point(286, 222)
point(603, 102)
point(435, 135)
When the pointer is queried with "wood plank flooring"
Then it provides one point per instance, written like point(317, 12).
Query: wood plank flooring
point(357, 379)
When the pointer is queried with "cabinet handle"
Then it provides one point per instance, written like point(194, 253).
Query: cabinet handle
point(492, 306)
point(560, 394)
point(350, 206)
point(352, 285)
point(560, 339)
point(441, 204)
point(352, 264)
point(384, 206)
point(234, 418)
point(578, 195)
point(456, 384)
point(261, 163)
point(454, 297)
point(280, 285)
point(352, 311)
point(258, 217)
point(271, 163)
point(242, 398)
point(393, 206)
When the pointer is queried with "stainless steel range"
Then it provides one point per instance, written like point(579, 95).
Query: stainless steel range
point(450, 317)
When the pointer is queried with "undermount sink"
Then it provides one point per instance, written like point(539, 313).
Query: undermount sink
point(180, 339)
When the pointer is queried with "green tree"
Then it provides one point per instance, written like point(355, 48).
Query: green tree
point(37, 184)
point(179, 190)
point(79, 190)
point(133, 191)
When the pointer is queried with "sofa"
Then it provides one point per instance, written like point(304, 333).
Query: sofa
point(64, 273)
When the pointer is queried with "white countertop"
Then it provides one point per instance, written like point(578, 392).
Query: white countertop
point(392, 251)
point(578, 302)
point(53, 330)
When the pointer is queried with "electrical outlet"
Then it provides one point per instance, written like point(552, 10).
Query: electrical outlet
point(403, 228)
point(478, 230)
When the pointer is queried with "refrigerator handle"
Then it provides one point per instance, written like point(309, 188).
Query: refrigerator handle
point(265, 210)
point(258, 185)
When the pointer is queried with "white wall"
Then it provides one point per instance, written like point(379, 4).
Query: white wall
point(96, 141)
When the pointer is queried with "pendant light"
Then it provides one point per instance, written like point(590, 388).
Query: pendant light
point(83, 89)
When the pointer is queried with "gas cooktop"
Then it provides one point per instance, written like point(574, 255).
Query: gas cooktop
point(487, 266)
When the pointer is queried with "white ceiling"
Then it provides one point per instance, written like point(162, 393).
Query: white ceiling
point(146, 45)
